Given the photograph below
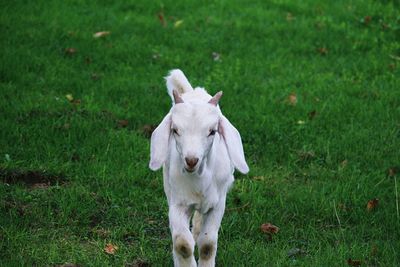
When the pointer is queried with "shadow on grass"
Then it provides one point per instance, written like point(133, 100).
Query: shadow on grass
point(31, 178)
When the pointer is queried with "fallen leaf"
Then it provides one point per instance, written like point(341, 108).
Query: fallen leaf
point(290, 17)
point(148, 129)
point(322, 51)
point(76, 101)
point(178, 23)
point(216, 56)
point(101, 34)
point(292, 98)
point(392, 171)
point(312, 114)
point(269, 228)
point(122, 123)
point(70, 51)
point(69, 97)
point(367, 20)
point(296, 252)
point(110, 249)
point(372, 204)
point(162, 19)
point(351, 262)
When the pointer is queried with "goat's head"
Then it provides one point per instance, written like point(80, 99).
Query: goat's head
point(193, 125)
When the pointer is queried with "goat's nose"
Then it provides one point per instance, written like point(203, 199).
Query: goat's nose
point(191, 162)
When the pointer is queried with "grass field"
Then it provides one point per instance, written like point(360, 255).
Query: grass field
point(313, 87)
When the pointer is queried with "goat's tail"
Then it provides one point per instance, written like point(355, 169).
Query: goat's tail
point(178, 81)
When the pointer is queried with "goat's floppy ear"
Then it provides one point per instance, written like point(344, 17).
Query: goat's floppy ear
point(159, 144)
point(233, 143)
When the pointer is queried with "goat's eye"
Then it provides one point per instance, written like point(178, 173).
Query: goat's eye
point(212, 132)
point(175, 131)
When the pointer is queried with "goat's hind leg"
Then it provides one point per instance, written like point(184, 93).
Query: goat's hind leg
point(196, 224)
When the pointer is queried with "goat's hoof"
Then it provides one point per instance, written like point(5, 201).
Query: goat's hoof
point(182, 247)
point(206, 251)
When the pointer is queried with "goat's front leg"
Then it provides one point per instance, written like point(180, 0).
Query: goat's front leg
point(208, 237)
point(183, 242)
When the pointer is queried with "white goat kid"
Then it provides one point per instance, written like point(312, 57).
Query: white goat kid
point(198, 148)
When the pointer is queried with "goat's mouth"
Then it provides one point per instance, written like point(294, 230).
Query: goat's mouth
point(190, 170)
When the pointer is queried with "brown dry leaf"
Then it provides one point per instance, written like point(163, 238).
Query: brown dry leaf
point(371, 205)
point(269, 228)
point(122, 123)
point(148, 129)
point(322, 51)
point(110, 249)
point(292, 98)
point(312, 114)
point(70, 51)
point(392, 171)
point(351, 262)
point(367, 20)
point(162, 19)
point(101, 34)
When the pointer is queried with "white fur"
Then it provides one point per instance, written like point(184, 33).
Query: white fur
point(202, 191)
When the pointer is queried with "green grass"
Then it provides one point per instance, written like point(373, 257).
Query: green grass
point(312, 176)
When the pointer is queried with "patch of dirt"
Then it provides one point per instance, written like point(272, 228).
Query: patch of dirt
point(31, 178)
point(138, 263)
point(148, 129)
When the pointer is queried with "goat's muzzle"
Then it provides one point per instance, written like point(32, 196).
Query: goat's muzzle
point(191, 163)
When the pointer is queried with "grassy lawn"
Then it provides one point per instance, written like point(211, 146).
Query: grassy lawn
point(313, 87)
